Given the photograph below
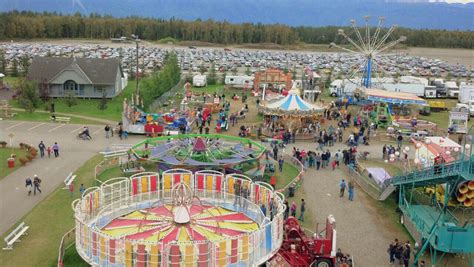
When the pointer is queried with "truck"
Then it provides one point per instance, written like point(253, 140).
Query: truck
point(199, 80)
point(468, 107)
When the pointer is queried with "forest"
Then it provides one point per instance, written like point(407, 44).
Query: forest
point(29, 25)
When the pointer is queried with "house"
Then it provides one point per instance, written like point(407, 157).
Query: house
point(83, 77)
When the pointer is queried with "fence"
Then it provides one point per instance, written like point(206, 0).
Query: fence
point(124, 195)
point(298, 180)
point(104, 165)
point(364, 182)
point(66, 241)
point(166, 96)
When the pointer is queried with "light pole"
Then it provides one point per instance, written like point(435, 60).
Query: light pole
point(135, 37)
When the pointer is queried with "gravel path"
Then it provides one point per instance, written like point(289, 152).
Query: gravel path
point(361, 232)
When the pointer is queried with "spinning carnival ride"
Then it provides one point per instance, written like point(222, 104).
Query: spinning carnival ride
point(178, 218)
point(198, 150)
point(367, 50)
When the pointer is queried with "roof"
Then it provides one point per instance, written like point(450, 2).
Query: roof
point(380, 95)
point(97, 70)
point(293, 102)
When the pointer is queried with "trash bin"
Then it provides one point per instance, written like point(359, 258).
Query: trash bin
point(11, 163)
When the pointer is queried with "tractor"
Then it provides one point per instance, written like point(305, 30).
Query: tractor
point(300, 250)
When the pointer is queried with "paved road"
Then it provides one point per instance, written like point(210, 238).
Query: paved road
point(14, 202)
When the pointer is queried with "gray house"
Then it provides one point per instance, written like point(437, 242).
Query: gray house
point(83, 77)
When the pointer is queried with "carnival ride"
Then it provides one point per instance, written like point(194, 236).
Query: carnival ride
point(367, 51)
point(299, 249)
point(290, 113)
point(199, 150)
point(179, 218)
point(135, 120)
point(432, 224)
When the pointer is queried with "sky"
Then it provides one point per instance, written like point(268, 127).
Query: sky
point(459, 1)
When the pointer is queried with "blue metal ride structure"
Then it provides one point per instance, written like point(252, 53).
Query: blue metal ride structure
point(432, 224)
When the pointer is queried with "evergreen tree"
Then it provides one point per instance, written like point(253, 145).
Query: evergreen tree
point(14, 70)
point(3, 62)
point(25, 64)
point(103, 101)
point(28, 95)
point(212, 77)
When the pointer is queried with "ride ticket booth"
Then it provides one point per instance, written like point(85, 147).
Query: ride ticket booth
point(458, 121)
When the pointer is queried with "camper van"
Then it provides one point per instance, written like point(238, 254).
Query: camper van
point(239, 81)
point(199, 81)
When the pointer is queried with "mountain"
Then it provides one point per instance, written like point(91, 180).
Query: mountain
point(406, 13)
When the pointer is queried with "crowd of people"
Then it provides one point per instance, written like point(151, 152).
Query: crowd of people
point(400, 253)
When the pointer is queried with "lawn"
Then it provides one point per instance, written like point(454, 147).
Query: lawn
point(48, 222)
point(46, 117)
point(89, 107)
point(5, 154)
point(283, 178)
point(209, 89)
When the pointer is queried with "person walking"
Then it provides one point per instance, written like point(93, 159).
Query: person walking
point(245, 194)
point(49, 149)
point(280, 164)
point(237, 187)
point(287, 210)
point(41, 147)
point(399, 141)
point(56, 149)
point(28, 185)
point(71, 189)
point(107, 131)
point(82, 188)
point(406, 254)
point(36, 184)
point(392, 248)
point(350, 190)
point(302, 210)
point(342, 188)
point(293, 209)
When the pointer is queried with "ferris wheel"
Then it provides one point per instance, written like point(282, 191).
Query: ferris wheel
point(363, 62)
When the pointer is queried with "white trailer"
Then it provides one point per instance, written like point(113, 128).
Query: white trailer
point(452, 88)
point(199, 81)
point(466, 93)
point(237, 81)
point(417, 89)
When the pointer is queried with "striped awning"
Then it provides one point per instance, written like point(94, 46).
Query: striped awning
point(292, 102)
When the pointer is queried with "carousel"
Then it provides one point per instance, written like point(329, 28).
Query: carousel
point(290, 114)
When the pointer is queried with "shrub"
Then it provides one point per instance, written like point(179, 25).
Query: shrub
point(3, 144)
point(23, 161)
point(29, 157)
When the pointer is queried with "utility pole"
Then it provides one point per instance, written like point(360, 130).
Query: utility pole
point(137, 90)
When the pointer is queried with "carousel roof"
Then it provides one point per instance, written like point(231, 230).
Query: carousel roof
point(293, 102)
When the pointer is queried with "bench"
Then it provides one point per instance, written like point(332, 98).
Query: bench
point(68, 181)
point(15, 235)
point(60, 119)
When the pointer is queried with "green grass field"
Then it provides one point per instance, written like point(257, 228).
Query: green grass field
point(5, 154)
point(48, 222)
point(210, 89)
point(283, 178)
point(46, 117)
point(89, 107)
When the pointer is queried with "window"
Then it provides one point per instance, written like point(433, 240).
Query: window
point(70, 85)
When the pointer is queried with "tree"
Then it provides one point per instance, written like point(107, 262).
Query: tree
point(212, 77)
point(293, 74)
point(14, 70)
point(3, 62)
point(247, 71)
point(327, 84)
point(103, 101)
point(28, 95)
point(70, 99)
point(25, 64)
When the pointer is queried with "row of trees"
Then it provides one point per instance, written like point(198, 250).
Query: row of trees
point(51, 25)
point(162, 81)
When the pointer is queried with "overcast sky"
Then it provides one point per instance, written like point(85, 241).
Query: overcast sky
point(458, 1)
